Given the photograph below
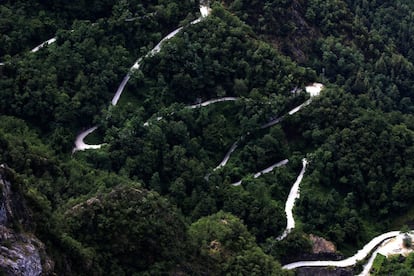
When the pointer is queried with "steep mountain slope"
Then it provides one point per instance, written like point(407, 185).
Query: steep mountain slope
point(156, 195)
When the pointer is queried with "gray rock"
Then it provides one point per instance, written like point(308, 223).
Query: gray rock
point(21, 253)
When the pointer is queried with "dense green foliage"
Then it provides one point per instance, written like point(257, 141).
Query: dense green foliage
point(150, 200)
point(226, 247)
point(68, 83)
point(395, 265)
point(127, 230)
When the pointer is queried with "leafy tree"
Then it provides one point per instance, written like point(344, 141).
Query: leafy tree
point(129, 230)
point(226, 247)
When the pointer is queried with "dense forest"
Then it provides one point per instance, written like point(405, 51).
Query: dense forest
point(153, 199)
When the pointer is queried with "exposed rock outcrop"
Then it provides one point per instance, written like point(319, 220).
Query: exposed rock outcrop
point(322, 250)
point(320, 245)
point(21, 253)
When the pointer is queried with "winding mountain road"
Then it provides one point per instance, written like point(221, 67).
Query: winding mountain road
point(290, 202)
point(267, 170)
point(204, 11)
point(199, 105)
point(388, 247)
point(43, 44)
point(79, 144)
point(360, 255)
point(384, 241)
point(313, 89)
point(227, 156)
point(213, 101)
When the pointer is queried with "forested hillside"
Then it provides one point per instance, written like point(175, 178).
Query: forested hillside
point(190, 172)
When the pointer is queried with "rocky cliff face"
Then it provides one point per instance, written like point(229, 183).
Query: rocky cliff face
point(323, 250)
point(320, 245)
point(21, 253)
